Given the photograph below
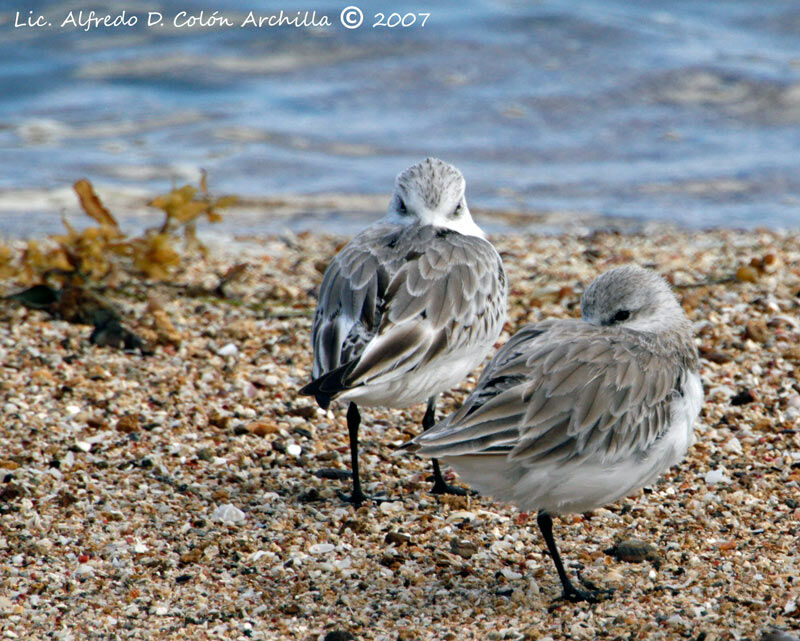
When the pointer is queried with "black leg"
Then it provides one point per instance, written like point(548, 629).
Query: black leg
point(353, 422)
point(571, 593)
point(429, 420)
point(439, 485)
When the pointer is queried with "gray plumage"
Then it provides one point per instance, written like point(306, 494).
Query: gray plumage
point(413, 293)
point(429, 184)
point(573, 414)
point(409, 306)
point(578, 397)
point(413, 303)
point(559, 389)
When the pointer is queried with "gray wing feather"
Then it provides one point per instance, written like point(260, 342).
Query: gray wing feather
point(397, 297)
point(348, 313)
point(568, 389)
point(427, 292)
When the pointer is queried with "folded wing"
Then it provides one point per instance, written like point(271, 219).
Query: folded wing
point(439, 291)
point(559, 390)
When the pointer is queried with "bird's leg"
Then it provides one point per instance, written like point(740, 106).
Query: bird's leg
point(439, 485)
point(571, 593)
point(353, 422)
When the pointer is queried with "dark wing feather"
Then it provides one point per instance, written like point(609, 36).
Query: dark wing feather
point(351, 294)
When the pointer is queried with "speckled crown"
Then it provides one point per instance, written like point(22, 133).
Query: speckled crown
point(434, 180)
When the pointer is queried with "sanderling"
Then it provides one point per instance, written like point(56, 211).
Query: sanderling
point(409, 306)
point(573, 414)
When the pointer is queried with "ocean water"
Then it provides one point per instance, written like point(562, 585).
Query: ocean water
point(683, 111)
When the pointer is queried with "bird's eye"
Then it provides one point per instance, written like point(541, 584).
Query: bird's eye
point(457, 211)
point(401, 207)
point(621, 315)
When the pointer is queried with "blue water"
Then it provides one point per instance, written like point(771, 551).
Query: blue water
point(678, 111)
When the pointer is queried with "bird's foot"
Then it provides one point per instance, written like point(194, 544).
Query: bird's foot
point(592, 593)
point(358, 498)
point(576, 595)
point(440, 487)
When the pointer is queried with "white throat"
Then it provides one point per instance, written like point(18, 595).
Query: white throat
point(463, 224)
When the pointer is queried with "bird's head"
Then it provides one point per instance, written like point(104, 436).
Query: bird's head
point(432, 193)
point(632, 297)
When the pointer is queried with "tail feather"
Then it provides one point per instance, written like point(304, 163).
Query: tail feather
point(409, 446)
point(328, 386)
point(415, 445)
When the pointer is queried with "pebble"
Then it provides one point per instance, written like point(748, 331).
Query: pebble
point(6, 606)
point(462, 547)
point(205, 454)
point(717, 357)
point(229, 349)
point(333, 474)
point(128, 423)
point(510, 574)
point(262, 427)
point(72, 410)
point(733, 445)
point(712, 477)
point(756, 330)
point(321, 548)
point(779, 635)
point(396, 538)
point(634, 551)
point(743, 398)
point(460, 515)
point(391, 507)
point(228, 514)
point(747, 274)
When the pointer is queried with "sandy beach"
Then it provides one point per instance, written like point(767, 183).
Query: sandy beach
point(176, 493)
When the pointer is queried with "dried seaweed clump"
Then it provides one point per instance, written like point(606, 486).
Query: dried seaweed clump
point(66, 274)
point(92, 255)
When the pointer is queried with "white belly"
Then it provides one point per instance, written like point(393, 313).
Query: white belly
point(417, 386)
